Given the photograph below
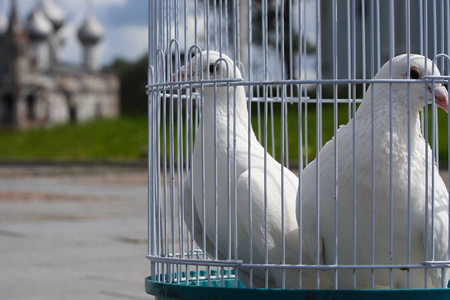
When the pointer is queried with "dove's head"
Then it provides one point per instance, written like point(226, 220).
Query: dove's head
point(208, 65)
point(418, 67)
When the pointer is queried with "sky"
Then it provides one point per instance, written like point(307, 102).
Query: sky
point(124, 22)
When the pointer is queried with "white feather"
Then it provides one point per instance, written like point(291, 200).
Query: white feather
point(419, 161)
point(233, 151)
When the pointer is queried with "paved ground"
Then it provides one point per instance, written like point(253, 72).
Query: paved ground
point(73, 233)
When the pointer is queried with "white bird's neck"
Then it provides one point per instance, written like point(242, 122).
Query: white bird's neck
point(229, 103)
point(226, 127)
point(397, 111)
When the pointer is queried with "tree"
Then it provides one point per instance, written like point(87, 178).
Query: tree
point(279, 19)
point(133, 79)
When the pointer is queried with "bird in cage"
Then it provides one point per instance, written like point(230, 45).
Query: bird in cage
point(392, 204)
point(232, 172)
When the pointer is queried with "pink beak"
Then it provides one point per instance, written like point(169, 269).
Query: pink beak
point(440, 97)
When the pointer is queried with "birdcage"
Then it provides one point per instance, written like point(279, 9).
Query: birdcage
point(298, 149)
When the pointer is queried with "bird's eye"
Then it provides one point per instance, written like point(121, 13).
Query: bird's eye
point(415, 74)
point(211, 69)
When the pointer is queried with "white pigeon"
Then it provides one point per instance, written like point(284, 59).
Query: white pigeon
point(422, 164)
point(219, 114)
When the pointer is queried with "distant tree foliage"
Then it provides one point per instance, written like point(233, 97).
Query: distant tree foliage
point(133, 78)
point(279, 17)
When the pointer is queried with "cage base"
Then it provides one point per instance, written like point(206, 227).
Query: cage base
point(225, 289)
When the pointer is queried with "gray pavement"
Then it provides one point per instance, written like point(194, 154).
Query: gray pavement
point(73, 233)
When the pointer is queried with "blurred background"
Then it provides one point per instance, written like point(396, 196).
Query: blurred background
point(73, 147)
point(73, 69)
point(73, 141)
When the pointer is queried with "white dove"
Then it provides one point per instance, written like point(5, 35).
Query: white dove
point(218, 105)
point(422, 164)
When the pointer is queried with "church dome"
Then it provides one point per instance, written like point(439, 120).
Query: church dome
point(91, 31)
point(53, 13)
point(38, 26)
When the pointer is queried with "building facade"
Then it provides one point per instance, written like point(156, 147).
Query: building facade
point(36, 89)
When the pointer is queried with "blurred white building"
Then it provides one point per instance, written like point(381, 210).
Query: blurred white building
point(36, 88)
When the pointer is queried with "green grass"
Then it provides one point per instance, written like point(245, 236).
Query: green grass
point(328, 120)
point(125, 138)
point(293, 128)
point(114, 139)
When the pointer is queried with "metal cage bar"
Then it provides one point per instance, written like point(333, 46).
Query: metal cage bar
point(231, 142)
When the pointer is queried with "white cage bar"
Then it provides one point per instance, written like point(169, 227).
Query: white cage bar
point(305, 67)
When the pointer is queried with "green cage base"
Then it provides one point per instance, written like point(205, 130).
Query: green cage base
point(189, 290)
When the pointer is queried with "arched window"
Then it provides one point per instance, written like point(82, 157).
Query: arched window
point(72, 114)
point(31, 106)
point(71, 107)
point(7, 109)
point(98, 111)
